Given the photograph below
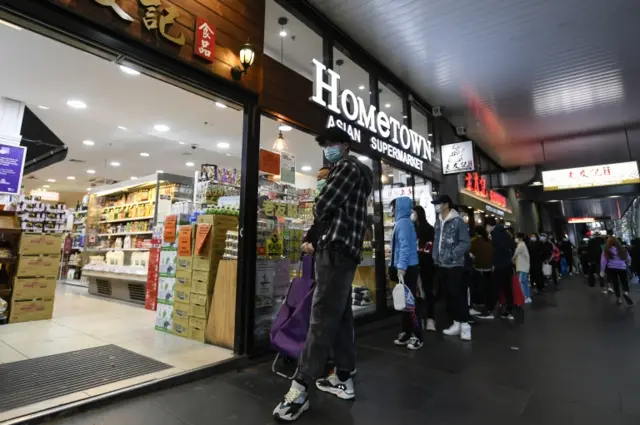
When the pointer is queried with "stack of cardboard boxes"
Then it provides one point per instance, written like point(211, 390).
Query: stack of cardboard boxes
point(200, 249)
point(35, 278)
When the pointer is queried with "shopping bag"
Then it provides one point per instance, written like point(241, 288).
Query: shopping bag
point(547, 270)
point(403, 299)
point(518, 295)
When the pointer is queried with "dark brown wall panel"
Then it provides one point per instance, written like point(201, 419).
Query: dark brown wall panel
point(236, 22)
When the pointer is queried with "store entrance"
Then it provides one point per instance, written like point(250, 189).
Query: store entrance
point(84, 293)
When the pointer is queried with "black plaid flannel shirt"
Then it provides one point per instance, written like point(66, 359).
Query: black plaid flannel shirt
point(342, 205)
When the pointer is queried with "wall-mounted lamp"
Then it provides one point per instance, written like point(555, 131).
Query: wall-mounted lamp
point(247, 56)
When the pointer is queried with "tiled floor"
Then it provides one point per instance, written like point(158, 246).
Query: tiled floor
point(82, 321)
point(574, 360)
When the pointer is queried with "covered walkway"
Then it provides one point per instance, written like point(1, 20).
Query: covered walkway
point(576, 359)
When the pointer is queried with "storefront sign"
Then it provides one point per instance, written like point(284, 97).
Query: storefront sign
point(384, 133)
point(269, 162)
point(493, 210)
point(205, 41)
point(11, 168)
point(475, 185)
point(457, 158)
point(280, 209)
point(117, 9)
point(287, 168)
point(599, 175)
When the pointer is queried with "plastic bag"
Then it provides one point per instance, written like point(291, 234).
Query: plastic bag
point(403, 299)
point(547, 269)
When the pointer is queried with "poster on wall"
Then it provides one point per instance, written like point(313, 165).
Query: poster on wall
point(11, 168)
point(287, 168)
point(457, 158)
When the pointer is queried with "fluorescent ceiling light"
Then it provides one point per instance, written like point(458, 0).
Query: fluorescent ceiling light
point(189, 164)
point(10, 25)
point(285, 127)
point(405, 116)
point(306, 168)
point(134, 178)
point(283, 33)
point(228, 154)
point(71, 178)
point(51, 180)
point(46, 186)
point(88, 142)
point(363, 158)
point(221, 105)
point(129, 71)
point(614, 196)
point(115, 164)
point(91, 171)
point(159, 171)
point(145, 154)
point(76, 104)
point(390, 175)
point(361, 87)
point(182, 143)
point(223, 145)
point(88, 189)
point(43, 107)
point(122, 127)
point(387, 105)
point(161, 127)
point(430, 134)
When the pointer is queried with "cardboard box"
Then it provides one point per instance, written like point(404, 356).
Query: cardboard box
point(180, 329)
point(180, 320)
point(201, 283)
point(184, 264)
point(166, 287)
point(197, 328)
point(38, 243)
point(180, 309)
point(164, 318)
point(182, 294)
point(199, 306)
point(183, 278)
point(218, 219)
point(168, 263)
point(28, 310)
point(29, 288)
point(38, 265)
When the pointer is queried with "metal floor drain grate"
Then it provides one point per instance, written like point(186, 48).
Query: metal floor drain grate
point(30, 381)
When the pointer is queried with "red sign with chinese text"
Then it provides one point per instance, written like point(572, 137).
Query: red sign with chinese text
point(205, 40)
point(498, 199)
point(474, 182)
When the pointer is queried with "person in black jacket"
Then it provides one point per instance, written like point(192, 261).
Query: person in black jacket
point(501, 279)
point(594, 251)
point(310, 240)
point(425, 234)
point(535, 256)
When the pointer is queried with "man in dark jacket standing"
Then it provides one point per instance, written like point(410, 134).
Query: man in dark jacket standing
point(535, 258)
point(341, 207)
point(503, 249)
point(594, 249)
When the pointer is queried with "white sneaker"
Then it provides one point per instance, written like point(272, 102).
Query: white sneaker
point(333, 385)
point(465, 332)
point(295, 404)
point(474, 312)
point(431, 325)
point(528, 301)
point(453, 330)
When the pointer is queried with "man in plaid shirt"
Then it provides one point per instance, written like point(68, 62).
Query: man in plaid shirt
point(341, 215)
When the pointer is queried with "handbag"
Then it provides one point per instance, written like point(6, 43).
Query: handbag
point(547, 269)
point(403, 299)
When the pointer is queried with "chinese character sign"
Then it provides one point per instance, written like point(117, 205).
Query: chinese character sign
point(475, 183)
point(160, 17)
point(205, 41)
point(594, 176)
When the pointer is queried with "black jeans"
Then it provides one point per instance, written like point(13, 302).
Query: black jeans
point(451, 279)
point(427, 270)
point(501, 282)
point(481, 286)
point(331, 325)
point(617, 277)
point(412, 320)
point(537, 278)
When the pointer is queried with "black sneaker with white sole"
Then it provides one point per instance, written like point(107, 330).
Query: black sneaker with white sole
point(628, 299)
point(295, 404)
point(332, 385)
point(403, 339)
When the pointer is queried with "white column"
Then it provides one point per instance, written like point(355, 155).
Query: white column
point(11, 114)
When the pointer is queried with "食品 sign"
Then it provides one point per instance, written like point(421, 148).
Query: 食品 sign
point(598, 175)
point(457, 158)
point(384, 133)
point(11, 168)
point(205, 41)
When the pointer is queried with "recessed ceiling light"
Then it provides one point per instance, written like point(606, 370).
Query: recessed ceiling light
point(361, 87)
point(363, 158)
point(387, 105)
point(285, 127)
point(134, 178)
point(228, 154)
point(115, 164)
point(88, 189)
point(88, 142)
point(221, 105)
point(43, 107)
point(145, 154)
point(306, 168)
point(161, 127)
point(390, 175)
point(129, 71)
point(189, 164)
point(91, 171)
point(430, 134)
point(10, 25)
point(46, 186)
point(182, 143)
point(71, 178)
point(223, 145)
point(405, 116)
point(76, 104)
point(51, 180)
point(159, 171)
point(283, 33)
point(122, 127)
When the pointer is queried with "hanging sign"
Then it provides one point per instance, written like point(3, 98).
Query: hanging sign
point(476, 186)
point(11, 168)
point(457, 158)
point(269, 162)
point(205, 40)
point(287, 168)
point(595, 176)
point(384, 133)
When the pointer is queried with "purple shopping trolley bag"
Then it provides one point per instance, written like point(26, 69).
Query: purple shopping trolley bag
point(289, 331)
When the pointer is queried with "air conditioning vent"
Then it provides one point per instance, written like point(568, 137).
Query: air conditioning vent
point(104, 287)
point(137, 292)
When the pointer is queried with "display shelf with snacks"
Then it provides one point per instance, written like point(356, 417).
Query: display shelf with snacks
point(120, 228)
point(39, 217)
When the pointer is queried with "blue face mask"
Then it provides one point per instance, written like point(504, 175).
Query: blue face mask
point(332, 153)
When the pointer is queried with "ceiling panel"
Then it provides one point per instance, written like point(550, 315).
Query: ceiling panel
point(512, 71)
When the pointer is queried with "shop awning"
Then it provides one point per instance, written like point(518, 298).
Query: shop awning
point(44, 148)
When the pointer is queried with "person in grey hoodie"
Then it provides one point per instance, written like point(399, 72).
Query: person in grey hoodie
point(450, 245)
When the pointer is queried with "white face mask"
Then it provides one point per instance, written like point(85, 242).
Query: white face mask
point(533, 239)
point(438, 208)
point(414, 217)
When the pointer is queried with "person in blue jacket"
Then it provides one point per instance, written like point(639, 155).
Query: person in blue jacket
point(404, 249)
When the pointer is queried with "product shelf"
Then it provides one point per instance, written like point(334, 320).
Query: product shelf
point(122, 220)
point(124, 234)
